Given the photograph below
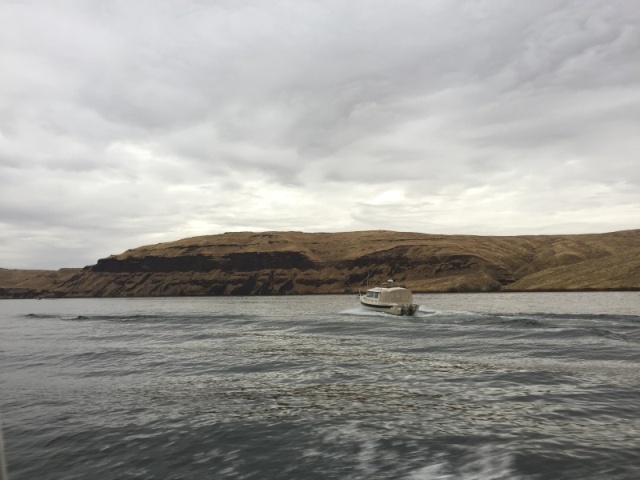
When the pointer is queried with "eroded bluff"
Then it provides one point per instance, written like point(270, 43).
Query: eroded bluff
point(279, 263)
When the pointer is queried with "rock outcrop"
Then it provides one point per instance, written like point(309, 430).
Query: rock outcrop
point(280, 263)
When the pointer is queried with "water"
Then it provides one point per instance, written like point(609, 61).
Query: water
point(478, 386)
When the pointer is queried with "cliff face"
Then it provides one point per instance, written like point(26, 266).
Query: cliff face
point(277, 263)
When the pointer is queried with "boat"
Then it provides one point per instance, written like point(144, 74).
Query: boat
point(390, 297)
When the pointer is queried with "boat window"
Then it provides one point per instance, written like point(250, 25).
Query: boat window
point(371, 294)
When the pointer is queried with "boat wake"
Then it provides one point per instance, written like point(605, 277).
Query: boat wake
point(361, 311)
point(422, 312)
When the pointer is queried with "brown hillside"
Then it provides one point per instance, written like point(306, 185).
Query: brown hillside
point(16, 283)
point(246, 263)
point(619, 271)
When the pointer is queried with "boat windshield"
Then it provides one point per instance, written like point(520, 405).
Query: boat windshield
point(372, 294)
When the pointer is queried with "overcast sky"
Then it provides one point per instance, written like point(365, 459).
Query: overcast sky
point(125, 123)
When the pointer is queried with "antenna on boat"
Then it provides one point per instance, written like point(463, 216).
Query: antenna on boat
point(369, 272)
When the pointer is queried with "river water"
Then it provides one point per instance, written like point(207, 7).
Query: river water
point(475, 386)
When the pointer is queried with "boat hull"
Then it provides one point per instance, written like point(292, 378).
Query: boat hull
point(391, 308)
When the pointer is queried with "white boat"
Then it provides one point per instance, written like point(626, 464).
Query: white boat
point(390, 297)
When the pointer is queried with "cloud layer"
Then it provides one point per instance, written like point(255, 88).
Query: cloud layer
point(127, 123)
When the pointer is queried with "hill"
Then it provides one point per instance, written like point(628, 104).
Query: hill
point(278, 263)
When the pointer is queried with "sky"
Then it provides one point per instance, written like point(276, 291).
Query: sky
point(128, 123)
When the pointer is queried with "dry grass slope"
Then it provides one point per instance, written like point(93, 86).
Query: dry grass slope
point(278, 263)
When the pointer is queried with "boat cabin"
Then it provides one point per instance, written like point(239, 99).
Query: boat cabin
point(390, 295)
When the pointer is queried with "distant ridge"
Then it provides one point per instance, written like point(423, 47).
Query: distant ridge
point(284, 263)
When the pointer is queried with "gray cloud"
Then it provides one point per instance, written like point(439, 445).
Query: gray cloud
point(125, 123)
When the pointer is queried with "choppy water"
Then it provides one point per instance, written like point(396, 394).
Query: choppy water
point(494, 386)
